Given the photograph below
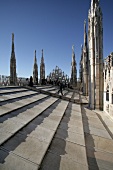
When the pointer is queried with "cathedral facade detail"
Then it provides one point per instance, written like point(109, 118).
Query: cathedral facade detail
point(13, 76)
point(58, 75)
point(108, 85)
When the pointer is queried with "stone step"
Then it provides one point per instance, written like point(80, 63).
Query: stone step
point(67, 150)
point(44, 87)
point(55, 95)
point(69, 95)
point(13, 122)
point(13, 106)
point(30, 144)
point(56, 92)
point(11, 90)
point(98, 140)
point(76, 96)
point(16, 95)
point(50, 89)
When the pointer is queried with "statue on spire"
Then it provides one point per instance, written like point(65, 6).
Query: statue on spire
point(35, 60)
point(85, 25)
point(13, 37)
point(73, 48)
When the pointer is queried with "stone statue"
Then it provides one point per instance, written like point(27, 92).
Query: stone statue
point(12, 37)
point(73, 48)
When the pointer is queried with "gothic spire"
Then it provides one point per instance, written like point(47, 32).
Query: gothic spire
point(13, 77)
point(35, 60)
point(73, 54)
point(81, 52)
point(12, 42)
point(42, 69)
point(85, 34)
point(35, 70)
point(42, 58)
point(73, 69)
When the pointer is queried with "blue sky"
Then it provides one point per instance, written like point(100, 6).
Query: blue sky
point(51, 25)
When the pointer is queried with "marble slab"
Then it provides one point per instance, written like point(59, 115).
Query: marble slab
point(69, 150)
point(10, 161)
point(59, 162)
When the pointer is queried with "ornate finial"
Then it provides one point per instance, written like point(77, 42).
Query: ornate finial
point(85, 26)
point(42, 53)
point(73, 48)
point(12, 37)
point(12, 42)
point(35, 60)
point(94, 2)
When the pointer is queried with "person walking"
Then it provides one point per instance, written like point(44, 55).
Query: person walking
point(61, 88)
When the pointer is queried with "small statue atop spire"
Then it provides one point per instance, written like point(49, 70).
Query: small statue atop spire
point(35, 60)
point(73, 48)
point(13, 37)
point(94, 3)
point(85, 25)
point(12, 42)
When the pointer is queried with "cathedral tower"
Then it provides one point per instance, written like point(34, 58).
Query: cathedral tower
point(42, 69)
point(13, 77)
point(73, 70)
point(95, 39)
point(35, 70)
point(85, 63)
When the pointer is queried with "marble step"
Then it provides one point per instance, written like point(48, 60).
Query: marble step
point(16, 95)
point(12, 90)
point(13, 122)
point(50, 89)
point(43, 87)
point(67, 149)
point(13, 106)
point(76, 96)
point(56, 95)
point(30, 144)
point(98, 140)
point(69, 95)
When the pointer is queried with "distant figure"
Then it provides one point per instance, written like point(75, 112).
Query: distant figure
point(61, 87)
point(31, 82)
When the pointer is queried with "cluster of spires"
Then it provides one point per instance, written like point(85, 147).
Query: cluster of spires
point(88, 64)
point(35, 69)
point(13, 76)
